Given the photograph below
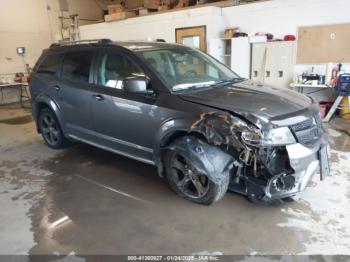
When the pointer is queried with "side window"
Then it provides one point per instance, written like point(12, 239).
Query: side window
point(114, 68)
point(50, 66)
point(76, 66)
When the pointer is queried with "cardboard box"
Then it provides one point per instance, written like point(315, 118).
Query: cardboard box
point(119, 16)
point(133, 4)
point(163, 8)
point(151, 4)
point(229, 32)
point(112, 9)
point(143, 11)
point(181, 4)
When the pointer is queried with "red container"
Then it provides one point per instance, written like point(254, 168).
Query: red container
point(289, 38)
point(324, 108)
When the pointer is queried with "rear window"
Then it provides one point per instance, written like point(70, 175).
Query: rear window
point(50, 66)
point(76, 66)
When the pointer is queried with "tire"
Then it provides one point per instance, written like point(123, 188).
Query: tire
point(212, 192)
point(51, 130)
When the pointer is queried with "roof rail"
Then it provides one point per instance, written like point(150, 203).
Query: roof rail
point(90, 41)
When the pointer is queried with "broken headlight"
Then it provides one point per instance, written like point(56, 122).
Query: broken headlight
point(278, 137)
point(251, 137)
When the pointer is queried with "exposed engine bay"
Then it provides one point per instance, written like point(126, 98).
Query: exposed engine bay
point(267, 166)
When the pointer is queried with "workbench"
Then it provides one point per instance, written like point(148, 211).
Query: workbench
point(300, 87)
point(22, 87)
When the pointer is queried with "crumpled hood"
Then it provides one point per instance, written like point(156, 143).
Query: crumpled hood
point(251, 98)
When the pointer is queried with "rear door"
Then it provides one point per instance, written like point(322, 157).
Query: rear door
point(46, 76)
point(75, 93)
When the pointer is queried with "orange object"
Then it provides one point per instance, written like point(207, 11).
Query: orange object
point(112, 9)
point(345, 110)
point(151, 4)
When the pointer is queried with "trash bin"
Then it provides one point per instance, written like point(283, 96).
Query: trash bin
point(324, 108)
point(344, 108)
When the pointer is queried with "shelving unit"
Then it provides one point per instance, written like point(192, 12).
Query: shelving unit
point(233, 52)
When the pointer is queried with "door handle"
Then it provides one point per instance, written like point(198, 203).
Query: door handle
point(56, 88)
point(99, 97)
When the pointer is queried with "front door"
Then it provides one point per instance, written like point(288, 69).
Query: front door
point(123, 122)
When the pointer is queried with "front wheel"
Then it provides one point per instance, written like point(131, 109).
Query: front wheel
point(190, 184)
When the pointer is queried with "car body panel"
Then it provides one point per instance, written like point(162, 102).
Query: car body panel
point(250, 97)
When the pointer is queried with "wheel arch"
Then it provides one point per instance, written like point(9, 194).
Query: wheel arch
point(43, 102)
point(205, 158)
point(169, 132)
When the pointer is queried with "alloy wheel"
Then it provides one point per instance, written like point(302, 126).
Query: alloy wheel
point(49, 129)
point(187, 179)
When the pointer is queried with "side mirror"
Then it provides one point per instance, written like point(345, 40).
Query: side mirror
point(136, 85)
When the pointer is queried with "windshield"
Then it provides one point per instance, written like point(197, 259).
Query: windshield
point(185, 68)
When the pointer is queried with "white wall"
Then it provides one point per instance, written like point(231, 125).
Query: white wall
point(281, 17)
point(22, 23)
point(30, 23)
point(156, 26)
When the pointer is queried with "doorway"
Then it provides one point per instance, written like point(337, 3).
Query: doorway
point(195, 37)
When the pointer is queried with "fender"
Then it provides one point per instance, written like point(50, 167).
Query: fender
point(218, 128)
point(206, 159)
point(167, 129)
point(50, 103)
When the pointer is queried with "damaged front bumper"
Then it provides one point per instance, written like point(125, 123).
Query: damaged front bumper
point(304, 161)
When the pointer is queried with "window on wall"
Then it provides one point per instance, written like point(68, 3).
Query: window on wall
point(114, 68)
point(50, 66)
point(76, 66)
point(191, 41)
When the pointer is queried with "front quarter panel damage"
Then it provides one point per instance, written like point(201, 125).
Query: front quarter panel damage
point(219, 142)
point(220, 128)
point(206, 159)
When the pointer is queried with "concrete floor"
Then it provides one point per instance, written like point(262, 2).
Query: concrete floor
point(83, 200)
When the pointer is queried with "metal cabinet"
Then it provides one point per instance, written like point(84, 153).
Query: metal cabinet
point(233, 52)
point(273, 63)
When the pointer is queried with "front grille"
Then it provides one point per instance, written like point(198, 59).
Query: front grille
point(307, 131)
point(308, 123)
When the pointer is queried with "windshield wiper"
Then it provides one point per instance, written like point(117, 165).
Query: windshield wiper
point(228, 81)
point(215, 84)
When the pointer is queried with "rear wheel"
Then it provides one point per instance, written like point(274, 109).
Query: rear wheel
point(51, 130)
point(190, 184)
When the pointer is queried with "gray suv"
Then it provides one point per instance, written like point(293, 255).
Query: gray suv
point(205, 128)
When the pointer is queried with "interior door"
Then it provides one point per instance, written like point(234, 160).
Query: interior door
point(122, 120)
point(192, 36)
